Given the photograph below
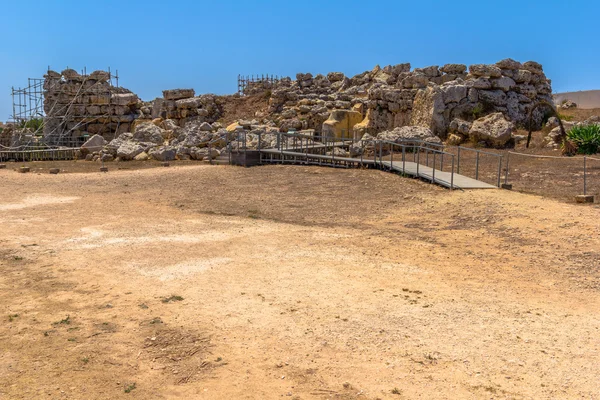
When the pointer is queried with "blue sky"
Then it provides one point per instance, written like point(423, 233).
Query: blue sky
point(158, 45)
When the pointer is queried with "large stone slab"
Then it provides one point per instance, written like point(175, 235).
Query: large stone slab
point(178, 94)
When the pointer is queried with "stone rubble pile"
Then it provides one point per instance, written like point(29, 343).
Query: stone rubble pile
point(164, 140)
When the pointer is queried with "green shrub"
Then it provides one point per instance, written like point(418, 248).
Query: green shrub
point(586, 137)
point(477, 111)
point(35, 124)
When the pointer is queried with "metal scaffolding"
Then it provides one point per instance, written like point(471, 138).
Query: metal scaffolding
point(251, 84)
point(28, 102)
point(61, 113)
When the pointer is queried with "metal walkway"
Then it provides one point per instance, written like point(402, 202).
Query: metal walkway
point(405, 158)
point(443, 178)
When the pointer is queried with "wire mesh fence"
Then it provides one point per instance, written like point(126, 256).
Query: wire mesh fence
point(558, 177)
point(592, 176)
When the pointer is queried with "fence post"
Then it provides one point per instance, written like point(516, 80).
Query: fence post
point(499, 170)
point(418, 154)
point(403, 159)
point(458, 161)
point(506, 172)
point(433, 173)
point(452, 175)
point(584, 175)
point(374, 154)
point(477, 166)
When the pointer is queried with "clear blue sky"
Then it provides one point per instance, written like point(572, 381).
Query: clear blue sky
point(158, 45)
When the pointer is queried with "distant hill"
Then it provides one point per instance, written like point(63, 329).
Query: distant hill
point(585, 99)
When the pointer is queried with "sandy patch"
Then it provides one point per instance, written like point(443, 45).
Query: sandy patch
point(34, 201)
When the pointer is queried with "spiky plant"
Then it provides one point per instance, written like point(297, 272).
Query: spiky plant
point(586, 138)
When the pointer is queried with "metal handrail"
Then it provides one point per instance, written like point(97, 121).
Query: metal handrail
point(416, 146)
point(419, 148)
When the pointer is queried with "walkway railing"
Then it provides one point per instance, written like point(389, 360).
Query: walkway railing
point(344, 152)
point(38, 154)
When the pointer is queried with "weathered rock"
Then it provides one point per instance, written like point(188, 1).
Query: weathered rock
point(335, 76)
point(415, 81)
point(123, 99)
point(428, 110)
point(485, 70)
point(522, 76)
point(533, 67)
point(493, 97)
point(177, 94)
point(100, 76)
point(409, 133)
point(504, 83)
point(552, 122)
point(70, 74)
point(430, 72)
point(204, 153)
point(128, 150)
point(143, 156)
point(169, 125)
point(93, 144)
point(454, 93)
point(454, 69)
point(148, 132)
point(494, 129)
point(480, 83)
point(163, 153)
point(509, 63)
point(460, 126)
point(340, 123)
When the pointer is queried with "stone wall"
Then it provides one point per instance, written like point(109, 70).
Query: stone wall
point(431, 97)
point(182, 105)
point(79, 105)
point(382, 99)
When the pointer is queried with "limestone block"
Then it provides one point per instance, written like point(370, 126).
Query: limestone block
point(177, 94)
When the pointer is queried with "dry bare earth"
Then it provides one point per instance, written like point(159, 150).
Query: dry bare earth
point(294, 282)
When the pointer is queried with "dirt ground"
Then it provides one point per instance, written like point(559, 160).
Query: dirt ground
point(218, 282)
